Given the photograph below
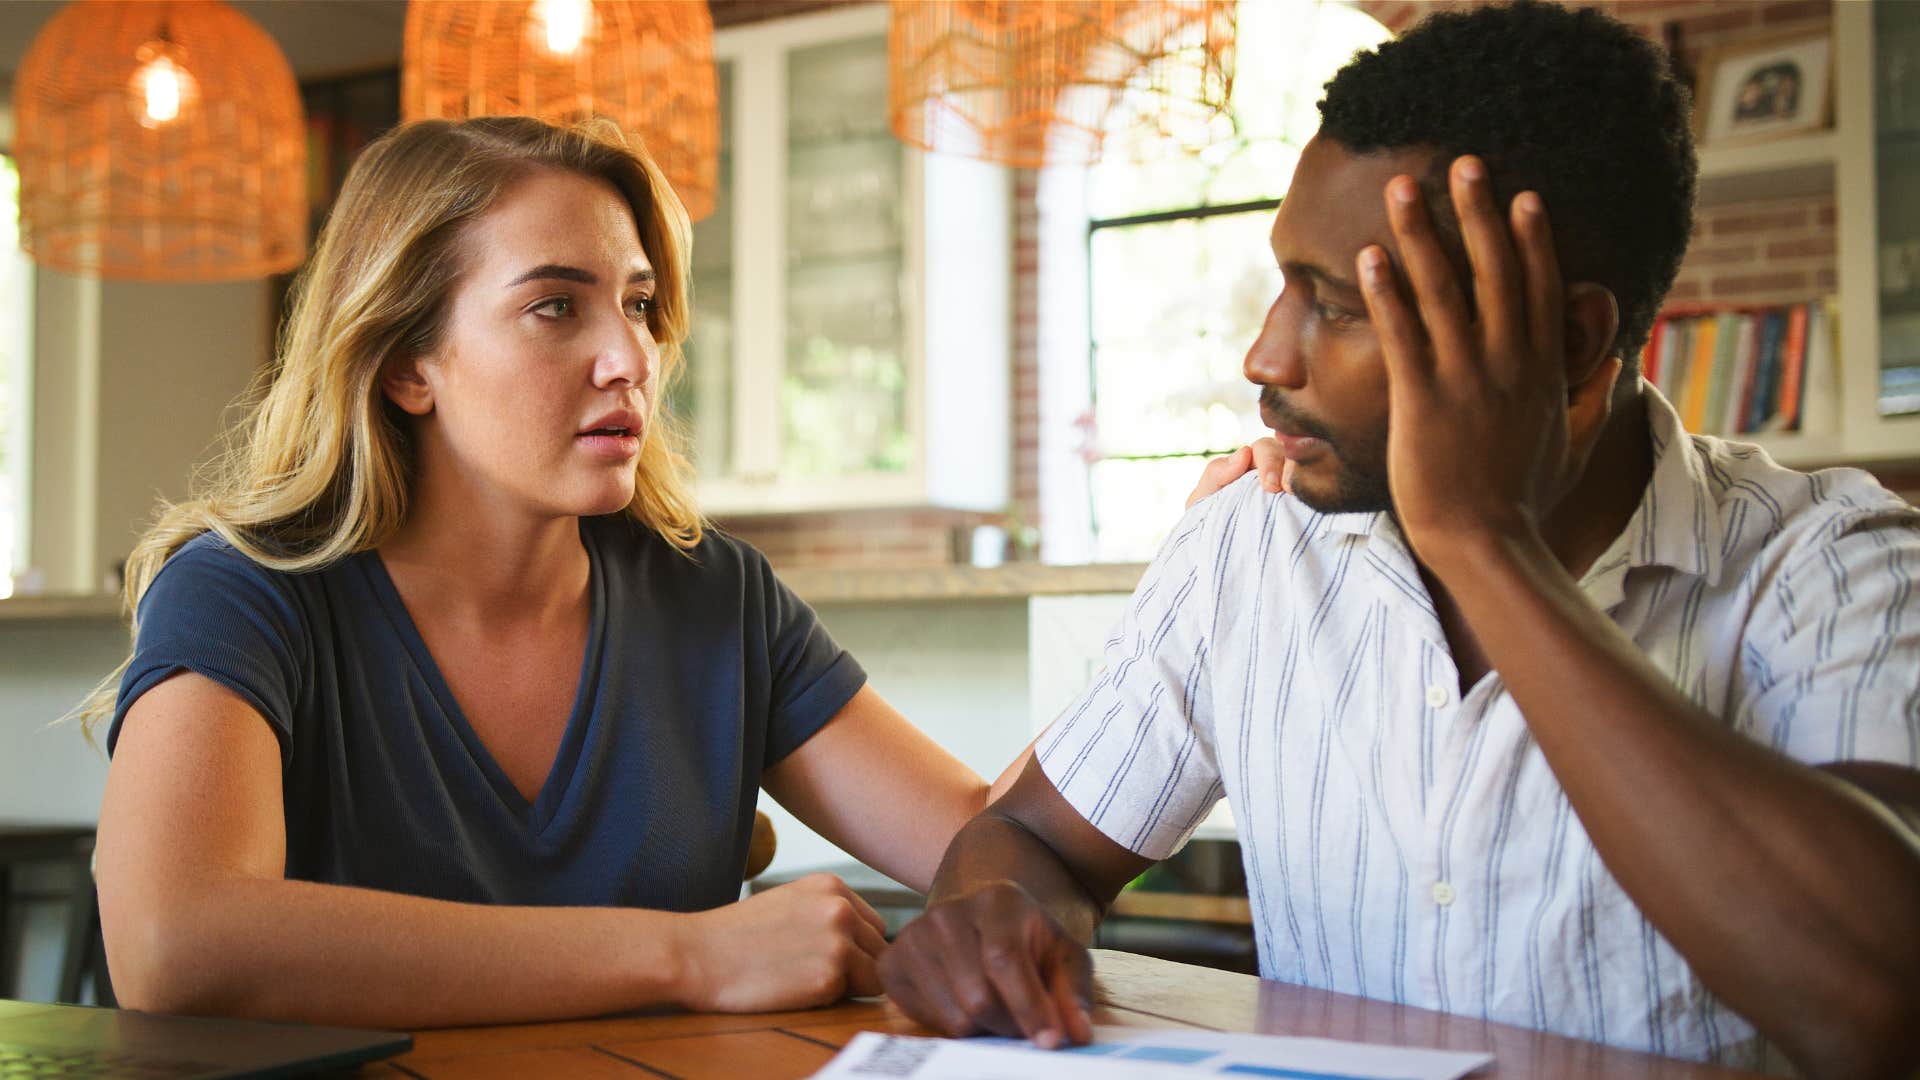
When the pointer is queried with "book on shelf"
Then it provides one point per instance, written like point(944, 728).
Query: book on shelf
point(1748, 370)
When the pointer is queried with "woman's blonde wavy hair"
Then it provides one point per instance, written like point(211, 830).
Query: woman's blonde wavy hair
point(319, 469)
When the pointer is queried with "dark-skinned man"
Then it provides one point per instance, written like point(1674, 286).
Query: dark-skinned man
point(1528, 704)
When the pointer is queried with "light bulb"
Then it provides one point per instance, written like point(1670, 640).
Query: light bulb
point(566, 24)
point(160, 89)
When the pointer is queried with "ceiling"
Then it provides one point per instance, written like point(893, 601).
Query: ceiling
point(319, 37)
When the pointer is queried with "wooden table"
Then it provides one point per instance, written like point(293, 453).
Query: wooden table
point(1130, 990)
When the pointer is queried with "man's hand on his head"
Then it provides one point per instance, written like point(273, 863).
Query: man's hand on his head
point(1494, 417)
point(1262, 455)
point(992, 962)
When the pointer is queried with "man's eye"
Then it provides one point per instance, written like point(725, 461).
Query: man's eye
point(1334, 316)
point(557, 307)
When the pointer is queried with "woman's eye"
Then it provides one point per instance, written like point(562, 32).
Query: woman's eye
point(641, 307)
point(557, 307)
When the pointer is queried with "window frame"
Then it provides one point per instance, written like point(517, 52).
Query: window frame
point(1094, 226)
point(16, 428)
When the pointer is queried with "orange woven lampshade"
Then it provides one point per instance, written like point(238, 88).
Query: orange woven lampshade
point(1028, 83)
point(160, 141)
point(647, 65)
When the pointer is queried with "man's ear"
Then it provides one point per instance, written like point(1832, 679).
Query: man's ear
point(1593, 320)
point(404, 384)
point(1593, 370)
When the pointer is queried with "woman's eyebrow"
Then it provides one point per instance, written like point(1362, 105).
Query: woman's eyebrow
point(555, 271)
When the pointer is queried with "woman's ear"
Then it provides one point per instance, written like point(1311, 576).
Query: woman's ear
point(1593, 320)
point(404, 384)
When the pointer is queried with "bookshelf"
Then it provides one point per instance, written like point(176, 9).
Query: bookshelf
point(1782, 169)
point(1843, 162)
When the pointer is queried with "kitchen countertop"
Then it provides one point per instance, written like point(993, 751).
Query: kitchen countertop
point(815, 585)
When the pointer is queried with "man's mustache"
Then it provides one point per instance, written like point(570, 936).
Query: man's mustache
point(1274, 407)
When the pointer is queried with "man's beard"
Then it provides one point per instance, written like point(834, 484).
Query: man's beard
point(1360, 478)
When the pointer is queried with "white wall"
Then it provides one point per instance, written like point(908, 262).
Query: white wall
point(48, 773)
point(132, 382)
point(172, 359)
point(957, 670)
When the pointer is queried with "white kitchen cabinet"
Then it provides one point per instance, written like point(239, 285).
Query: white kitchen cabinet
point(851, 337)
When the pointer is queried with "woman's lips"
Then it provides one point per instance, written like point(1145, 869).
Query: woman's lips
point(613, 447)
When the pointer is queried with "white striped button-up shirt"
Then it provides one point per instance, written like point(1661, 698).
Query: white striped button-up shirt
point(1402, 841)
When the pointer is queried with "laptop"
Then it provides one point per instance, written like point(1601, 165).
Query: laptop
point(40, 1040)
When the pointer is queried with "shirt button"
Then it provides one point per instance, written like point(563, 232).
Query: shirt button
point(1442, 893)
point(1436, 696)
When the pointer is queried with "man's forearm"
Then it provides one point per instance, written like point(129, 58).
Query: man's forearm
point(1795, 898)
point(993, 848)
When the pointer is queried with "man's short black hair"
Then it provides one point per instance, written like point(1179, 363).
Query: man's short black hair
point(1570, 103)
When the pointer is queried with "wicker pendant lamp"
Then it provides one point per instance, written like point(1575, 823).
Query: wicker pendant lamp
point(160, 141)
point(645, 64)
point(1029, 83)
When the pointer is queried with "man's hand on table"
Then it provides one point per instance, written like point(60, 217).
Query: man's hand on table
point(992, 962)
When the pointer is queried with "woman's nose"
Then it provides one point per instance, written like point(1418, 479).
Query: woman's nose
point(628, 355)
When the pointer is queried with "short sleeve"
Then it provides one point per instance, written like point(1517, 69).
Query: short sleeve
point(1133, 754)
point(1832, 653)
point(812, 677)
point(214, 612)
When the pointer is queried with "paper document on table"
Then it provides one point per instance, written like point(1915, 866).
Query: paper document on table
point(1120, 1053)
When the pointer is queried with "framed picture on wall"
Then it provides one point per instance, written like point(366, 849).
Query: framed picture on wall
point(1765, 89)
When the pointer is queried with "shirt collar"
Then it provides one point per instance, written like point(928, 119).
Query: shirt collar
point(1677, 523)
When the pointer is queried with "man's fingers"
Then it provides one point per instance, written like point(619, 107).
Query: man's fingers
point(1017, 979)
point(1501, 303)
point(1070, 983)
point(919, 985)
point(1401, 340)
point(1436, 290)
point(1546, 293)
point(967, 983)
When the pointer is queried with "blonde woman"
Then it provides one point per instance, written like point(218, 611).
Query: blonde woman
point(443, 706)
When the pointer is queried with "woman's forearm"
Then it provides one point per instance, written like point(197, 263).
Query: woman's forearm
point(276, 949)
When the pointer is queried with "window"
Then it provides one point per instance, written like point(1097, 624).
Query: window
point(16, 386)
point(1180, 276)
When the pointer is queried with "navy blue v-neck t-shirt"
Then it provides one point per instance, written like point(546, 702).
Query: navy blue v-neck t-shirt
point(701, 671)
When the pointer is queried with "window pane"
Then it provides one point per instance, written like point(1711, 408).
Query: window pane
point(843, 397)
point(1136, 502)
point(1175, 305)
point(16, 358)
point(1299, 45)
